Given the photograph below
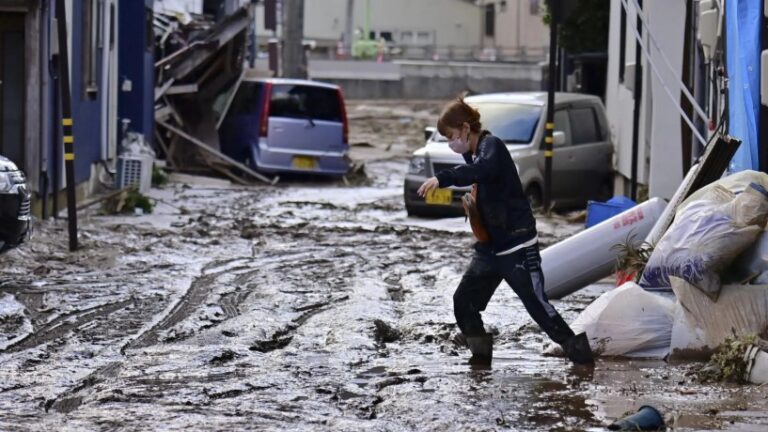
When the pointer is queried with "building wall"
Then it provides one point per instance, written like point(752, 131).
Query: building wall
point(660, 157)
point(86, 109)
point(666, 151)
point(447, 22)
point(620, 101)
point(422, 79)
point(136, 68)
point(519, 25)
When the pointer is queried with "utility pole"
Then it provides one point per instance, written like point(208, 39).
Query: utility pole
point(294, 56)
point(549, 130)
point(349, 27)
point(66, 123)
point(638, 95)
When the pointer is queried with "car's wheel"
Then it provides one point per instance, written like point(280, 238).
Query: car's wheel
point(533, 193)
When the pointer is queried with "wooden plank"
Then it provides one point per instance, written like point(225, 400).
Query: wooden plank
point(163, 113)
point(182, 89)
point(222, 156)
point(161, 141)
point(163, 89)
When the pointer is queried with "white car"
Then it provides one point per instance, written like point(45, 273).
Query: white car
point(582, 165)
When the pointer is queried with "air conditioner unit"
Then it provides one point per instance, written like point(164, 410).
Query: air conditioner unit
point(135, 170)
point(134, 165)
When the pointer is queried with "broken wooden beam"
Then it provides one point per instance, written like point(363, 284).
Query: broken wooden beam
point(218, 154)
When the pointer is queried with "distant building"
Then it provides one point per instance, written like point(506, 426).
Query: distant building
point(428, 29)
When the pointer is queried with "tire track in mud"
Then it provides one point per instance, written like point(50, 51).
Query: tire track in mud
point(200, 290)
point(66, 323)
point(333, 263)
point(193, 298)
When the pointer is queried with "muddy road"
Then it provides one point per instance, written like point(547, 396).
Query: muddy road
point(306, 306)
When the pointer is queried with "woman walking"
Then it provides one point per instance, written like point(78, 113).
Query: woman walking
point(507, 247)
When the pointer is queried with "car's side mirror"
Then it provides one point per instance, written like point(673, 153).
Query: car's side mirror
point(559, 138)
point(428, 132)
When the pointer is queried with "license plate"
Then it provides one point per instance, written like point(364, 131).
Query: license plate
point(304, 162)
point(440, 197)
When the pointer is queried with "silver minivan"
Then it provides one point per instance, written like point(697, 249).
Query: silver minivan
point(286, 125)
point(582, 165)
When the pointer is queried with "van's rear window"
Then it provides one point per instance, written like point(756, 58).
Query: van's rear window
point(301, 101)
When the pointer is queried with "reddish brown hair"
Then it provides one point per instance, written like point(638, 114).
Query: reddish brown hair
point(455, 114)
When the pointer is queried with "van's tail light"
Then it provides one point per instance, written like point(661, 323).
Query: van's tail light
point(345, 122)
point(264, 121)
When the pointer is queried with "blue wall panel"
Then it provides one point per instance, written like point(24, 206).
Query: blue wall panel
point(136, 64)
point(743, 19)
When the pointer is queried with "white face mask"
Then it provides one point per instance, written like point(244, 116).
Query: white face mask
point(459, 145)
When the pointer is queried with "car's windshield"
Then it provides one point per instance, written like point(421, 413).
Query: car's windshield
point(513, 123)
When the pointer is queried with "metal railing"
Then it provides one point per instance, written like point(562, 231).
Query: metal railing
point(391, 52)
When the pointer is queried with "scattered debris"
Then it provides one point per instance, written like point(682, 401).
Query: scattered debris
point(647, 418)
point(729, 363)
point(159, 176)
point(632, 258)
point(126, 202)
point(706, 237)
point(384, 332)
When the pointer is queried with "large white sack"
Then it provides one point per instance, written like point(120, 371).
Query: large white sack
point(752, 265)
point(740, 310)
point(628, 322)
point(706, 237)
point(688, 340)
point(734, 183)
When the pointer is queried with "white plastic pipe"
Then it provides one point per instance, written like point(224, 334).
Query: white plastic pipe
point(587, 257)
point(757, 365)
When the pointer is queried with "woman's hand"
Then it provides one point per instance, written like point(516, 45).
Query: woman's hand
point(428, 186)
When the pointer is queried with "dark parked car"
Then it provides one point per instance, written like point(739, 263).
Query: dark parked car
point(14, 205)
point(582, 168)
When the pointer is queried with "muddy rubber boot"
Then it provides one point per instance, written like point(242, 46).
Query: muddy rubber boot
point(460, 340)
point(578, 351)
point(482, 350)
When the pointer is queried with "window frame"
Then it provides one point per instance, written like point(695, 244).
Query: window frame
point(489, 18)
point(568, 132)
point(598, 133)
point(90, 43)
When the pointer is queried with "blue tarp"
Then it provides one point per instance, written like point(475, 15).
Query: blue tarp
point(743, 19)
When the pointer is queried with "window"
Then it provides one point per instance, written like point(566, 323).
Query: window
point(91, 40)
point(406, 36)
point(512, 123)
point(563, 124)
point(386, 35)
point(535, 7)
point(305, 102)
point(149, 26)
point(490, 20)
point(423, 37)
point(584, 125)
point(247, 100)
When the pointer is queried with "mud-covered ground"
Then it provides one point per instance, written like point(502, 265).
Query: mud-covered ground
point(311, 305)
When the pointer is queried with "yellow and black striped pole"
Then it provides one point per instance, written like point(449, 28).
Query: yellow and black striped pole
point(67, 126)
point(549, 138)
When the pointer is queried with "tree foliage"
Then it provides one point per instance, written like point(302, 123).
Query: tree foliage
point(586, 28)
